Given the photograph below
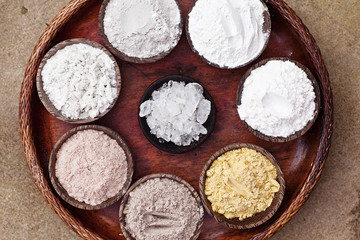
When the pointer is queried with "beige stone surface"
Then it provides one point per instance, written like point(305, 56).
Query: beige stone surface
point(331, 212)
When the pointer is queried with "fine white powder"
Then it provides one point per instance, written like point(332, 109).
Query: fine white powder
point(80, 81)
point(162, 209)
point(176, 112)
point(278, 99)
point(142, 28)
point(91, 167)
point(228, 33)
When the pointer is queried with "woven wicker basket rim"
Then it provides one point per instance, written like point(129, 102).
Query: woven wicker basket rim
point(31, 157)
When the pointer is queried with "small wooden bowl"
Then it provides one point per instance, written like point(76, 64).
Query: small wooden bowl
point(258, 218)
point(124, 56)
point(169, 146)
point(266, 28)
point(63, 193)
point(152, 176)
point(45, 99)
point(297, 133)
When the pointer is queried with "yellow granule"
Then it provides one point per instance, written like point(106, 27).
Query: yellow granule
point(241, 183)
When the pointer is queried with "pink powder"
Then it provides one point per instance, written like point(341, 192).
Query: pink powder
point(91, 166)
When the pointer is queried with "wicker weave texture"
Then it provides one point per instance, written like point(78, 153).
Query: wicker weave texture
point(28, 87)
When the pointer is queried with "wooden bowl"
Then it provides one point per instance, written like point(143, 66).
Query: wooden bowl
point(170, 146)
point(266, 28)
point(45, 99)
point(63, 193)
point(297, 133)
point(258, 218)
point(152, 176)
point(124, 56)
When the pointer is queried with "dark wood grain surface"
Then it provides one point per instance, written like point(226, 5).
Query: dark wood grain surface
point(295, 157)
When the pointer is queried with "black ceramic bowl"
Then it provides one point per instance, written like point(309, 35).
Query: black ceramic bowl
point(169, 146)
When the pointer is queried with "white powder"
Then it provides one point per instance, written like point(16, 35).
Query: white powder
point(91, 167)
point(80, 81)
point(176, 112)
point(162, 209)
point(228, 33)
point(278, 99)
point(142, 28)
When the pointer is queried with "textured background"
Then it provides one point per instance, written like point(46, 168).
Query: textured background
point(333, 209)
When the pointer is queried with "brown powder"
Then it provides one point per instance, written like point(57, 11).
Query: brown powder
point(91, 166)
point(162, 209)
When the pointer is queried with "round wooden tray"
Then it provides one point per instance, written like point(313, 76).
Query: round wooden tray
point(301, 160)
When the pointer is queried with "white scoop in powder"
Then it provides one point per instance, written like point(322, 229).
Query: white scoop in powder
point(228, 33)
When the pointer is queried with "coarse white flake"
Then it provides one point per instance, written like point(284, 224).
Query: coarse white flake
point(142, 28)
point(228, 32)
point(176, 112)
point(278, 99)
point(80, 81)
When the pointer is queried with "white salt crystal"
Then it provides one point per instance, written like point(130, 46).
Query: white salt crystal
point(199, 128)
point(202, 111)
point(151, 122)
point(145, 109)
point(173, 108)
